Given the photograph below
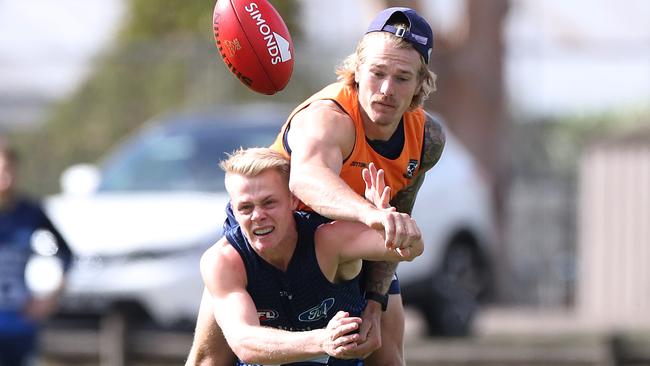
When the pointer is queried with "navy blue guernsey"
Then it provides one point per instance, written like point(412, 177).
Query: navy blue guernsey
point(301, 298)
point(17, 225)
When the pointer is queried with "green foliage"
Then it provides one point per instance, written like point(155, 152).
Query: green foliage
point(169, 18)
point(163, 59)
point(571, 135)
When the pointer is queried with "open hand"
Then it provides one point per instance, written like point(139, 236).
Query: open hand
point(377, 192)
point(399, 230)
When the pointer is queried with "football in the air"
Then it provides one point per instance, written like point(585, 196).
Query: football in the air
point(254, 43)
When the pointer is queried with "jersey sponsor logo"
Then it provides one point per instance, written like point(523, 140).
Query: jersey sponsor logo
point(358, 164)
point(267, 314)
point(410, 168)
point(276, 45)
point(317, 312)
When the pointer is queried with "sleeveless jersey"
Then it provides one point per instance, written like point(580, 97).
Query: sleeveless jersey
point(398, 172)
point(301, 298)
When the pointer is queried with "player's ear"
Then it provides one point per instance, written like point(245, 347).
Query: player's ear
point(294, 201)
point(419, 87)
point(357, 70)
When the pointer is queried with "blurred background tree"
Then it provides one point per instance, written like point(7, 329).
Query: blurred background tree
point(163, 59)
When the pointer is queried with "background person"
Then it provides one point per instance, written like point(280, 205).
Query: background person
point(20, 311)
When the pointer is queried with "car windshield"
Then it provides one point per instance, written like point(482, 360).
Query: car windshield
point(183, 157)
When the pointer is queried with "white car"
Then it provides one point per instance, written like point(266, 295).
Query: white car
point(140, 221)
point(454, 211)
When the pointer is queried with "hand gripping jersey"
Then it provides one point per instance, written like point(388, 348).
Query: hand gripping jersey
point(399, 171)
point(301, 298)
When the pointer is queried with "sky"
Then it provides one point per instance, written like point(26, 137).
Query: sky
point(580, 55)
point(45, 45)
point(564, 57)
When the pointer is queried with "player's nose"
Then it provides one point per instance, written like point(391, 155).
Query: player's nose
point(385, 87)
point(257, 214)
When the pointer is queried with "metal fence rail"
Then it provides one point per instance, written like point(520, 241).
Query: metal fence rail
point(114, 344)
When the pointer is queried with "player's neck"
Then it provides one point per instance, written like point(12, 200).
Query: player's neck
point(377, 130)
point(280, 257)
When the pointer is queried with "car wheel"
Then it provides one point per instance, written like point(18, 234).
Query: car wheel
point(456, 288)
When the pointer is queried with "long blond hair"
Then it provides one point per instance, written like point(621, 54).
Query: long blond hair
point(347, 69)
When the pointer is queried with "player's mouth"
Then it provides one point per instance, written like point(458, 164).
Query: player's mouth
point(384, 105)
point(264, 231)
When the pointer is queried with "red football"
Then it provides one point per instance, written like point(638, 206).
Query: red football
point(255, 43)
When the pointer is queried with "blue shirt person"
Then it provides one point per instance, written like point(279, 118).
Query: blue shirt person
point(21, 312)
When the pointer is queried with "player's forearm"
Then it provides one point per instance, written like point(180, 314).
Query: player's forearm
point(263, 345)
point(325, 192)
point(208, 345)
point(379, 276)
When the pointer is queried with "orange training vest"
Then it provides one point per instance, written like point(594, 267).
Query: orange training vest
point(398, 172)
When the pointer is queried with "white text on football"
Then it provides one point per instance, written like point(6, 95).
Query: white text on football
point(265, 30)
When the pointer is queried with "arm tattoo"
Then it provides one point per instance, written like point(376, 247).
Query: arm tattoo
point(405, 199)
point(380, 274)
point(434, 142)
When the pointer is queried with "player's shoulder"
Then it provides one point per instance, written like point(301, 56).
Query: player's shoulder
point(339, 231)
point(323, 110)
point(222, 269)
point(433, 123)
point(326, 119)
point(434, 139)
point(328, 238)
point(222, 256)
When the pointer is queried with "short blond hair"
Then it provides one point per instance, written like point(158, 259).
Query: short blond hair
point(347, 69)
point(253, 161)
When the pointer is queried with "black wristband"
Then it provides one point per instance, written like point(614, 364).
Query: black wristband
point(380, 298)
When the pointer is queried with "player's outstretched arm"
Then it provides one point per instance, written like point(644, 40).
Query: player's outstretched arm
point(354, 241)
point(321, 137)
